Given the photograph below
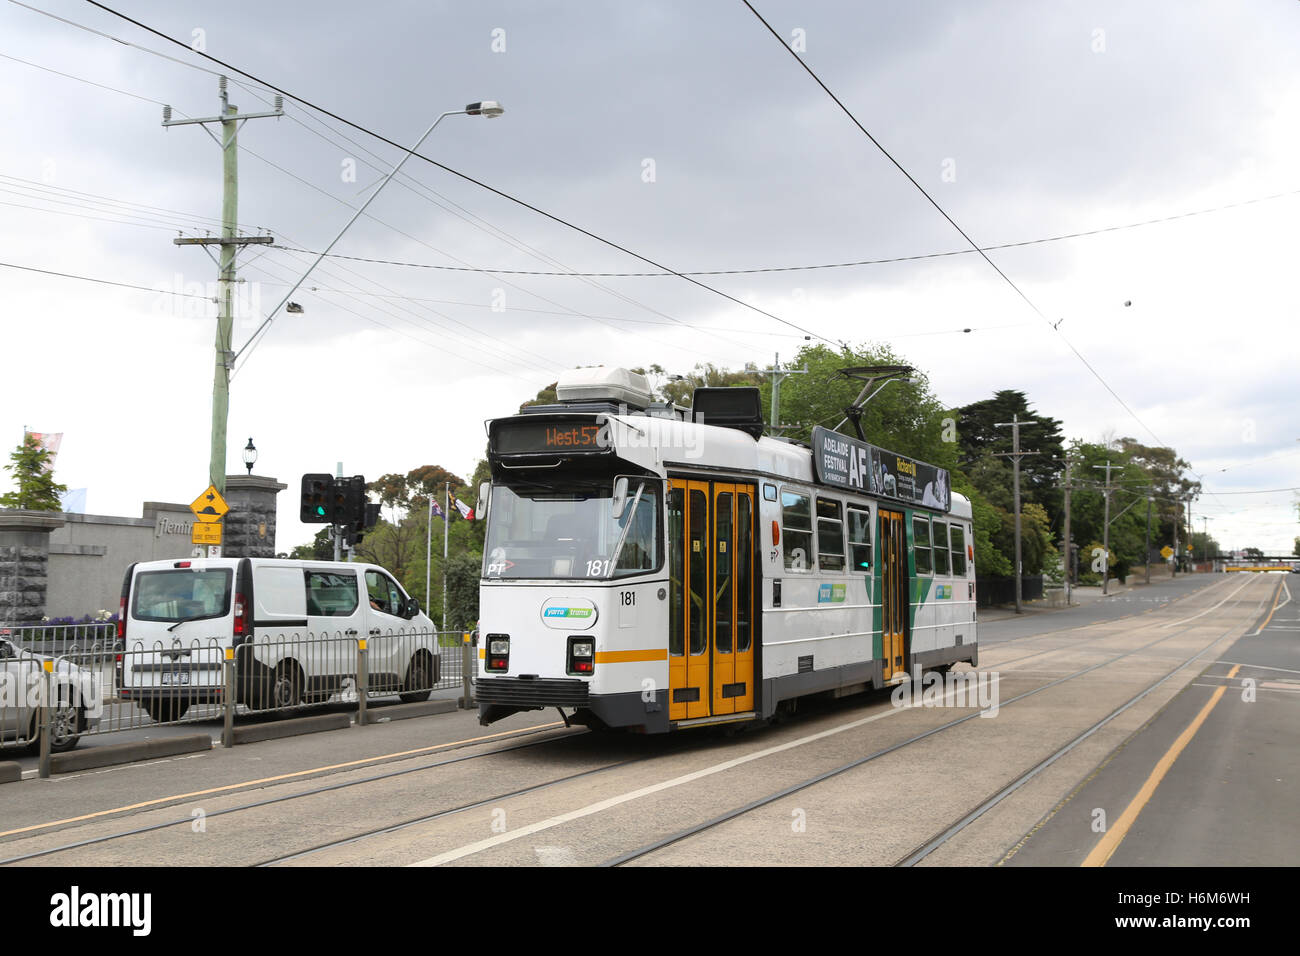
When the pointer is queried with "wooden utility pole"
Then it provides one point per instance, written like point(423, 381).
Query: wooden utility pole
point(1069, 552)
point(1015, 455)
point(1105, 534)
point(230, 120)
point(778, 374)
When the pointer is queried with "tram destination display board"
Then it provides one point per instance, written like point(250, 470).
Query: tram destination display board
point(845, 462)
point(549, 437)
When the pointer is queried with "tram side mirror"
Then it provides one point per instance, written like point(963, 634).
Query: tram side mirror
point(484, 501)
point(619, 500)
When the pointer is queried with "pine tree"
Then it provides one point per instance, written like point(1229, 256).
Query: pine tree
point(37, 489)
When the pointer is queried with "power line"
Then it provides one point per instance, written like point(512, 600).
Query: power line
point(827, 265)
point(465, 176)
point(502, 233)
point(124, 285)
point(974, 246)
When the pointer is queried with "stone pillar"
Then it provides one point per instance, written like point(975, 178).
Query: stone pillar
point(249, 530)
point(25, 563)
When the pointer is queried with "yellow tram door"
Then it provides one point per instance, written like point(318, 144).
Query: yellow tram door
point(688, 630)
point(731, 589)
point(893, 592)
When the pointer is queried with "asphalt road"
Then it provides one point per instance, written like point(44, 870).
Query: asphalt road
point(1212, 780)
point(1081, 698)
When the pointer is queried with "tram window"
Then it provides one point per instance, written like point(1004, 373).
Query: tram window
point(830, 535)
point(796, 530)
point(940, 536)
point(859, 538)
point(676, 566)
point(641, 544)
point(958, 536)
point(921, 544)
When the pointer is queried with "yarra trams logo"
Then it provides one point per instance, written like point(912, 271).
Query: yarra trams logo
point(76, 909)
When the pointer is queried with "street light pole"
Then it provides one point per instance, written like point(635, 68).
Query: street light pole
point(488, 108)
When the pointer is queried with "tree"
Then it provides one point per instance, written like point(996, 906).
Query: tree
point(1170, 489)
point(320, 549)
point(37, 489)
point(1130, 485)
point(1296, 551)
point(903, 418)
point(981, 442)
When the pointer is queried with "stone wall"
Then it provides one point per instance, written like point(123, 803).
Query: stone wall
point(24, 563)
point(249, 530)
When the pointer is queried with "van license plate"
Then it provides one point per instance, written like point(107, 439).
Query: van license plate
point(176, 677)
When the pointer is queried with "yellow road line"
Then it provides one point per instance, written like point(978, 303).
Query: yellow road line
point(1275, 606)
point(263, 780)
point(1109, 843)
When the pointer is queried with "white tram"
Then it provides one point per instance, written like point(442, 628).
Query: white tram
point(652, 571)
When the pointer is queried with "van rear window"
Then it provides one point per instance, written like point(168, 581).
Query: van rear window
point(181, 594)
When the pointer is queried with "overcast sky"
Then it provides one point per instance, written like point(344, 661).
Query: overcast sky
point(682, 131)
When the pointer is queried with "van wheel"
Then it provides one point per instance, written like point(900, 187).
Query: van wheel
point(286, 685)
point(418, 685)
point(164, 710)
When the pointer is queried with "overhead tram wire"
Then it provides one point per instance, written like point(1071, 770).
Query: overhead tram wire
point(831, 265)
point(419, 189)
point(464, 176)
point(548, 368)
point(248, 346)
point(252, 91)
point(439, 345)
point(974, 245)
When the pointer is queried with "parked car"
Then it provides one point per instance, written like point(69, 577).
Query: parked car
point(77, 698)
point(292, 628)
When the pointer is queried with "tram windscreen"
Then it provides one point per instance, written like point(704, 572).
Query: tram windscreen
point(569, 531)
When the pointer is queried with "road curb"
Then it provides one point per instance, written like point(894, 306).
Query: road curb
point(426, 708)
point(274, 730)
point(112, 754)
point(10, 772)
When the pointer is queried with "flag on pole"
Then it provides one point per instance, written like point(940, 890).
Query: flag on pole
point(49, 442)
point(465, 510)
point(435, 509)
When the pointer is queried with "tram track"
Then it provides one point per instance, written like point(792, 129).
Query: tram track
point(988, 648)
point(924, 849)
point(554, 735)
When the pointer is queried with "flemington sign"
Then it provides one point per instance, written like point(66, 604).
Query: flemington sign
point(845, 462)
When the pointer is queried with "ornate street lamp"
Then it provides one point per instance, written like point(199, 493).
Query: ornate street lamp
point(250, 456)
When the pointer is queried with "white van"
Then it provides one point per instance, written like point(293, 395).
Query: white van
point(294, 627)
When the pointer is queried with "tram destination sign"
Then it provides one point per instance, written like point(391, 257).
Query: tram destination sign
point(845, 462)
point(549, 437)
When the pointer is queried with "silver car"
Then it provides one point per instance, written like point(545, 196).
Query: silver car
point(78, 700)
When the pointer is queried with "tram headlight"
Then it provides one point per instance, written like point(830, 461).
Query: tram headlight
point(499, 647)
point(584, 649)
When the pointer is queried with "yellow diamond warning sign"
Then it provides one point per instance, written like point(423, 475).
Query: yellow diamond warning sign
point(209, 506)
point(1166, 552)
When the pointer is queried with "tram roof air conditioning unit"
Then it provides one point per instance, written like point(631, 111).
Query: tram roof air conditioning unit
point(616, 385)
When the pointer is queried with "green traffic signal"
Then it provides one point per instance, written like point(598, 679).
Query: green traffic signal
point(320, 511)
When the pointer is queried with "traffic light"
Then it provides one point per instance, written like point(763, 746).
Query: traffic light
point(317, 496)
point(354, 493)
